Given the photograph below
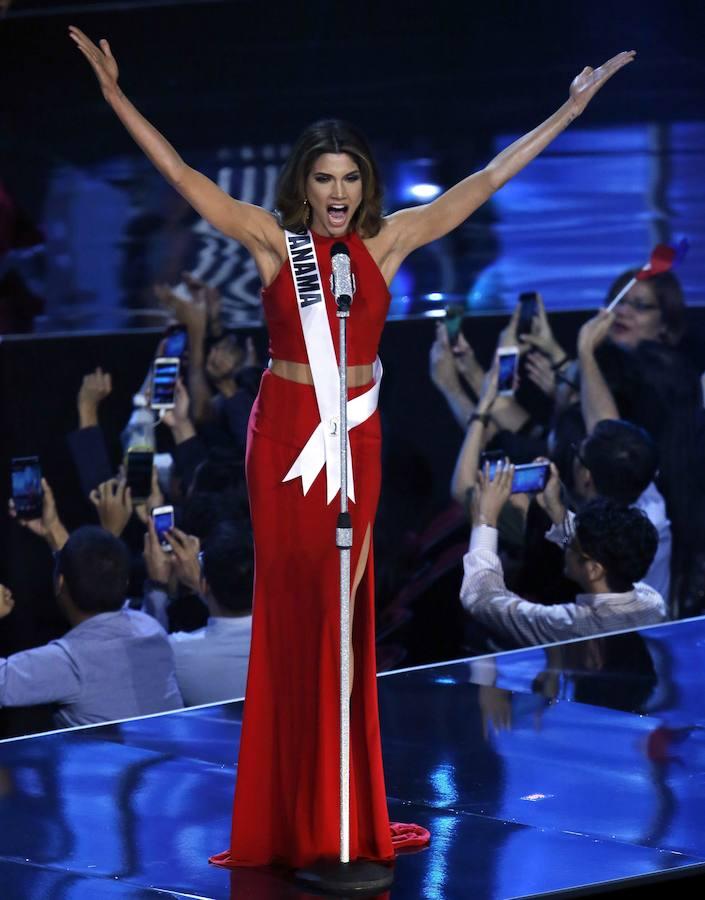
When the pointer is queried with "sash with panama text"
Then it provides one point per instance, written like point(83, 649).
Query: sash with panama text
point(323, 447)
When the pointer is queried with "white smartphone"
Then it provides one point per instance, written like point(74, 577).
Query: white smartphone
point(165, 373)
point(163, 518)
point(508, 359)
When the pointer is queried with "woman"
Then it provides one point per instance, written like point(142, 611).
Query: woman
point(634, 366)
point(651, 310)
point(286, 803)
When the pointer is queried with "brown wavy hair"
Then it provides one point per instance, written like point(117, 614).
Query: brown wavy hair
point(669, 293)
point(328, 136)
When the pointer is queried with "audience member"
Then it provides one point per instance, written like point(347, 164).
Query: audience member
point(114, 663)
point(223, 378)
point(607, 554)
point(618, 460)
point(211, 663)
point(655, 386)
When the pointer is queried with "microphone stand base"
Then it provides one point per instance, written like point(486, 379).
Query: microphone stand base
point(357, 878)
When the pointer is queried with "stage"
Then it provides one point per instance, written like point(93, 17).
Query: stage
point(575, 770)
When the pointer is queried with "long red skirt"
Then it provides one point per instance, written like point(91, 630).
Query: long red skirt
point(287, 807)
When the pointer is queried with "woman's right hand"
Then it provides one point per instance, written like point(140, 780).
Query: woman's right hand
point(101, 59)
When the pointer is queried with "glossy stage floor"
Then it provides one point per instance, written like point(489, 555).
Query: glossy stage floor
point(566, 769)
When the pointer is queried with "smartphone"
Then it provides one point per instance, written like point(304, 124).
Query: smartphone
point(529, 478)
point(138, 471)
point(27, 491)
point(528, 302)
point(453, 320)
point(163, 518)
point(508, 361)
point(176, 342)
point(165, 373)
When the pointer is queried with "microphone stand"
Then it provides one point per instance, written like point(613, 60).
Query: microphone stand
point(360, 876)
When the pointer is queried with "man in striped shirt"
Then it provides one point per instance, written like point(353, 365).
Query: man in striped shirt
point(608, 550)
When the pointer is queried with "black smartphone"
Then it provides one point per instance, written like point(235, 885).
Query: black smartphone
point(528, 302)
point(138, 471)
point(453, 320)
point(176, 341)
point(164, 376)
point(27, 491)
point(529, 478)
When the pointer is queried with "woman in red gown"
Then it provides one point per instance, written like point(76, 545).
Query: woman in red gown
point(286, 801)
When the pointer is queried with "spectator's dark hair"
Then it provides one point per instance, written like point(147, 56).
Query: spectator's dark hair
point(329, 136)
point(669, 293)
point(96, 569)
point(621, 458)
point(203, 511)
point(228, 566)
point(619, 537)
point(223, 470)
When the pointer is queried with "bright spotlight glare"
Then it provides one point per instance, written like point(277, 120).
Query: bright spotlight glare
point(425, 191)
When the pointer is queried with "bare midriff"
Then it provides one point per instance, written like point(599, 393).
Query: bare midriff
point(301, 373)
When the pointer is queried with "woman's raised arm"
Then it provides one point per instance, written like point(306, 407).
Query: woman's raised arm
point(412, 228)
point(249, 224)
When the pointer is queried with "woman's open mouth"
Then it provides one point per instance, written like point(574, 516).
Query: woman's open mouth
point(337, 214)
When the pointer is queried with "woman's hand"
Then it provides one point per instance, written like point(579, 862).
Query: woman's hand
point(442, 369)
point(49, 526)
point(488, 394)
point(593, 332)
point(539, 370)
point(585, 85)
point(101, 59)
point(541, 335)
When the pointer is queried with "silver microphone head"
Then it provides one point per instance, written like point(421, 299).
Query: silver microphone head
point(342, 282)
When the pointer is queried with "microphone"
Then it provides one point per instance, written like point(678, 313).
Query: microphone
point(341, 280)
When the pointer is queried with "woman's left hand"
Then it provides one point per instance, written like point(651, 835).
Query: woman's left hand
point(585, 85)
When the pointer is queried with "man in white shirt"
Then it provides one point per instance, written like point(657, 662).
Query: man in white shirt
point(211, 662)
point(608, 550)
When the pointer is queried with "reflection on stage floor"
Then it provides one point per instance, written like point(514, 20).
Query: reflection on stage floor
point(546, 769)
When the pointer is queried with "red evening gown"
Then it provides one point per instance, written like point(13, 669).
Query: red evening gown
point(287, 805)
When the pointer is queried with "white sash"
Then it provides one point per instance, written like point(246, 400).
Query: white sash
point(323, 447)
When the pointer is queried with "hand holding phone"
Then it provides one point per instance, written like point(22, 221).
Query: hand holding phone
point(164, 376)
point(27, 493)
point(138, 473)
point(529, 478)
point(453, 321)
point(507, 362)
point(529, 308)
point(175, 342)
point(163, 518)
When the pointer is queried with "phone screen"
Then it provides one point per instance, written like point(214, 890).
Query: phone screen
point(163, 522)
point(453, 321)
point(507, 369)
point(529, 478)
point(527, 312)
point(27, 487)
point(175, 343)
point(139, 473)
point(166, 372)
